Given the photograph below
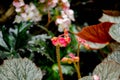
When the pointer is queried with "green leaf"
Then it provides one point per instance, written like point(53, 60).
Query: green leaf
point(3, 45)
point(23, 26)
point(8, 38)
point(19, 69)
point(66, 69)
point(4, 54)
point(38, 44)
point(22, 36)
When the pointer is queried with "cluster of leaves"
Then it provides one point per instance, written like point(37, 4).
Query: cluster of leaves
point(13, 39)
point(17, 42)
point(108, 69)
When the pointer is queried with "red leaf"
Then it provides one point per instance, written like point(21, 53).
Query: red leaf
point(96, 33)
point(113, 13)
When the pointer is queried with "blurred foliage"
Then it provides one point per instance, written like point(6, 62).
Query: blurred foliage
point(33, 39)
point(13, 39)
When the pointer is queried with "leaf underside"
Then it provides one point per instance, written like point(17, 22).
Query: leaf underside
point(96, 33)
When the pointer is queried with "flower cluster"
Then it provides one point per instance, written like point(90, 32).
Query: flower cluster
point(62, 40)
point(83, 42)
point(52, 3)
point(67, 15)
point(26, 12)
point(29, 12)
point(71, 58)
point(41, 1)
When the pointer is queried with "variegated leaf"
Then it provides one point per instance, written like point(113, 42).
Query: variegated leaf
point(93, 45)
point(114, 32)
point(19, 69)
point(109, 70)
point(108, 18)
point(114, 56)
point(86, 78)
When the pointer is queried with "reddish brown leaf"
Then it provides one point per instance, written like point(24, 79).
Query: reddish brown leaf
point(96, 33)
point(112, 12)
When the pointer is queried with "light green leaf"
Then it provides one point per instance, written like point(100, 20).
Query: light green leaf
point(109, 70)
point(108, 18)
point(86, 78)
point(66, 69)
point(19, 69)
point(115, 32)
point(3, 45)
point(95, 45)
point(114, 56)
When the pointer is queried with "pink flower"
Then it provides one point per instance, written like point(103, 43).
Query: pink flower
point(59, 41)
point(71, 55)
point(83, 42)
point(76, 59)
point(59, 21)
point(18, 10)
point(63, 23)
point(54, 41)
point(67, 60)
point(26, 12)
point(65, 4)
point(62, 42)
point(80, 40)
point(96, 77)
point(18, 4)
point(71, 58)
point(68, 39)
point(52, 3)
point(63, 15)
point(70, 14)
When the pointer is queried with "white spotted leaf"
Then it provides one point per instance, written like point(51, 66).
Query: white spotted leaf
point(108, 18)
point(94, 45)
point(114, 32)
point(19, 69)
point(109, 70)
point(86, 78)
point(114, 56)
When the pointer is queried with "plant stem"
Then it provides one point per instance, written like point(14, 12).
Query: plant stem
point(58, 61)
point(45, 29)
point(78, 72)
point(77, 66)
point(78, 54)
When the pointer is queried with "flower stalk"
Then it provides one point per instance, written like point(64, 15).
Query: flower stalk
point(76, 65)
point(58, 61)
point(77, 69)
point(78, 54)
